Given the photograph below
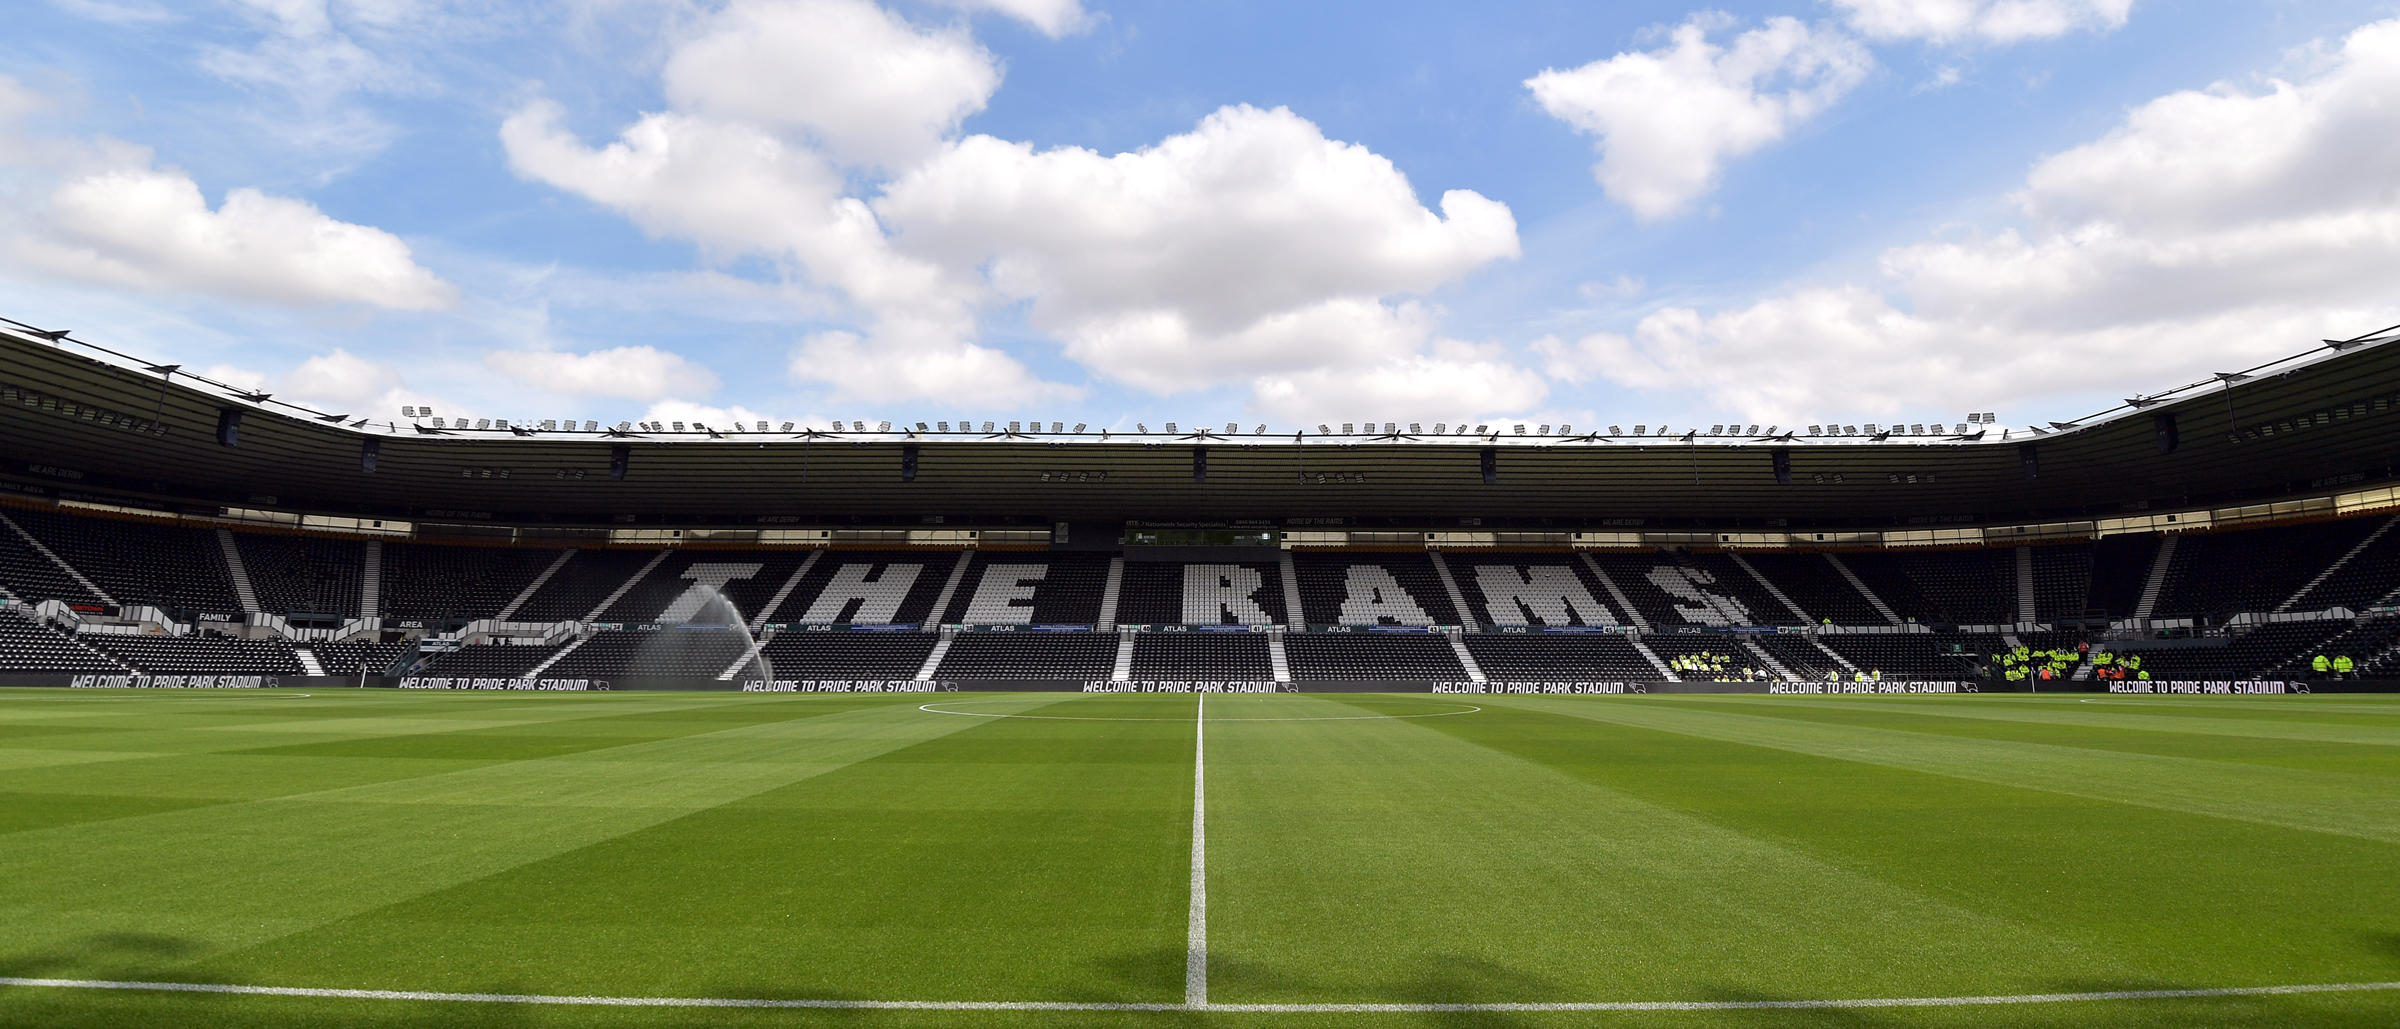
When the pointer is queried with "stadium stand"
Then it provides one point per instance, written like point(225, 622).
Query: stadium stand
point(1372, 589)
point(875, 587)
point(1915, 655)
point(1817, 586)
point(490, 659)
point(436, 584)
point(695, 652)
point(583, 583)
point(29, 646)
point(352, 657)
point(1533, 590)
point(2120, 569)
point(2216, 575)
point(1959, 587)
point(1355, 656)
point(198, 654)
point(33, 578)
point(1596, 657)
point(174, 568)
point(2062, 580)
point(1165, 593)
point(1030, 588)
point(304, 574)
point(848, 655)
point(999, 655)
point(1202, 655)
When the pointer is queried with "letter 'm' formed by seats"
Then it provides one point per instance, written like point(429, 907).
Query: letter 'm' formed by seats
point(1371, 596)
point(1538, 595)
point(1222, 595)
point(1003, 585)
point(875, 600)
point(707, 580)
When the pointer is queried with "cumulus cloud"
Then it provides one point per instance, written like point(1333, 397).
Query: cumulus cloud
point(340, 382)
point(1997, 21)
point(635, 373)
point(2209, 229)
point(1053, 18)
point(1249, 245)
point(1667, 120)
point(859, 80)
point(1445, 380)
point(151, 229)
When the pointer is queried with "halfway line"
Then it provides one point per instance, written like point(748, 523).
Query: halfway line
point(1195, 955)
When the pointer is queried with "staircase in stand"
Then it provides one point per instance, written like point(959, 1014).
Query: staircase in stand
point(239, 572)
point(2157, 580)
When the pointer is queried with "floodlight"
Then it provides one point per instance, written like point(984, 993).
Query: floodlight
point(1012, 426)
point(622, 426)
point(943, 426)
point(787, 426)
point(1991, 418)
point(987, 426)
point(1141, 428)
point(1231, 428)
point(1322, 430)
point(1260, 431)
point(483, 423)
point(1753, 431)
point(1346, 428)
point(1481, 429)
point(1716, 430)
point(1058, 426)
point(1543, 431)
point(1566, 430)
point(407, 411)
point(1916, 430)
point(1079, 426)
point(883, 426)
point(1638, 429)
point(1615, 431)
point(1170, 426)
point(552, 423)
point(679, 426)
point(1962, 428)
point(1414, 428)
point(1391, 428)
point(1440, 428)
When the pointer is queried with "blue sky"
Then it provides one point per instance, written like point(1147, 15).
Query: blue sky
point(1103, 212)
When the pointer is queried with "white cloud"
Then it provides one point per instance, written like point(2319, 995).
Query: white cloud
point(2211, 229)
point(1054, 18)
point(635, 373)
point(337, 382)
point(718, 418)
point(137, 13)
point(1997, 21)
point(149, 228)
point(1250, 245)
point(868, 86)
point(1667, 120)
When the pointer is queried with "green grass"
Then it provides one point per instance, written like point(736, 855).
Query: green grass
point(1542, 849)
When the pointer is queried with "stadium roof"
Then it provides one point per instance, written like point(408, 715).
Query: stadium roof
point(101, 426)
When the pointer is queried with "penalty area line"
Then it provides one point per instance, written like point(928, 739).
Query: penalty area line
point(980, 1005)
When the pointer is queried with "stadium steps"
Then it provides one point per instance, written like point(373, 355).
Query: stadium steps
point(626, 587)
point(1123, 669)
point(1764, 658)
point(1770, 587)
point(1625, 606)
point(370, 581)
point(2338, 563)
point(941, 604)
point(2158, 579)
point(308, 660)
point(2026, 608)
point(1859, 584)
point(537, 670)
point(766, 612)
point(1655, 660)
point(1107, 622)
point(1458, 645)
point(941, 648)
point(1836, 655)
point(1293, 613)
point(748, 655)
point(61, 562)
point(238, 571)
point(526, 594)
point(1277, 658)
point(1466, 621)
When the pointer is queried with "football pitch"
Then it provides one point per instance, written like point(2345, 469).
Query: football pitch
point(375, 858)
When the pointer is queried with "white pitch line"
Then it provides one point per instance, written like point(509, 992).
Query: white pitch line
point(930, 709)
point(1195, 953)
point(989, 1005)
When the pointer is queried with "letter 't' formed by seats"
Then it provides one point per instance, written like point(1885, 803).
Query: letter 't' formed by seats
point(1538, 595)
point(707, 580)
point(1222, 595)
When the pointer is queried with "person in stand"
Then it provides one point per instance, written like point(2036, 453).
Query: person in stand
point(2320, 664)
point(2343, 666)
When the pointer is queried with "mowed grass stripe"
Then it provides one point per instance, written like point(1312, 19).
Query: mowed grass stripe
point(994, 860)
point(2158, 897)
point(192, 883)
point(2366, 806)
point(1979, 718)
point(1394, 861)
point(2263, 718)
